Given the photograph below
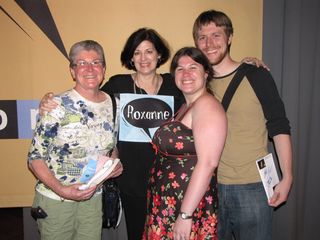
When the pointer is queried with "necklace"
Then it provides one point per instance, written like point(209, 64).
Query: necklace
point(156, 77)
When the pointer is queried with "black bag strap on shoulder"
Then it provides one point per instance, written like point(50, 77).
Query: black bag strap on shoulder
point(111, 200)
point(114, 108)
point(234, 84)
point(114, 112)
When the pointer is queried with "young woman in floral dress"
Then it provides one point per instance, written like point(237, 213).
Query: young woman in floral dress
point(182, 195)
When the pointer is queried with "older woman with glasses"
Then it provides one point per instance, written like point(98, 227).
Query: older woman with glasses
point(68, 143)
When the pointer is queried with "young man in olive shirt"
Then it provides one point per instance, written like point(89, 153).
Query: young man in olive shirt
point(256, 111)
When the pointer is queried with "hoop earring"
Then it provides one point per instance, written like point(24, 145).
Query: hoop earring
point(132, 63)
point(159, 62)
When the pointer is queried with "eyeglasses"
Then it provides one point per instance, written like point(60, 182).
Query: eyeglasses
point(85, 64)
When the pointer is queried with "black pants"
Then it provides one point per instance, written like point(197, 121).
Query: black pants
point(135, 210)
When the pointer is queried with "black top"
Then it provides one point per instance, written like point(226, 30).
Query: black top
point(137, 157)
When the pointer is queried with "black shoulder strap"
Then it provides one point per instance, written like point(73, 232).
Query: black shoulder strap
point(114, 107)
point(114, 112)
point(233, 85)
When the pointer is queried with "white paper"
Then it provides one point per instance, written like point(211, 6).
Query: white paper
point(101, 174)
point(268, 173)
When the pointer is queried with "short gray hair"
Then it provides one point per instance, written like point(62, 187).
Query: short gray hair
point(86, 45)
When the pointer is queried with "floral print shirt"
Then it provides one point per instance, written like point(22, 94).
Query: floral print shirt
point(70, 135)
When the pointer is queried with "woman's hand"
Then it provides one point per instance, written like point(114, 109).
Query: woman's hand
point(72, 192)
point(182, 229)
point(47, 104)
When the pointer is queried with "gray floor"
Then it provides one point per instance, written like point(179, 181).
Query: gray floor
point(11, 223)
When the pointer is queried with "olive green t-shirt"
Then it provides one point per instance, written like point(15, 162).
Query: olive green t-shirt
point(247, 134)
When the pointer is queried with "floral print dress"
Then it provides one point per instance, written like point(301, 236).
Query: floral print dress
point(169, 178)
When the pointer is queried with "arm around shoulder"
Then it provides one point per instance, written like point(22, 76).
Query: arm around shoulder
point(47, 103)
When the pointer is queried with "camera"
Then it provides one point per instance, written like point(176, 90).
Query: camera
point(38, 212)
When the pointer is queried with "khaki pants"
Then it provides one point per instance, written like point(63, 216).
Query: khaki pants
point(70, 220)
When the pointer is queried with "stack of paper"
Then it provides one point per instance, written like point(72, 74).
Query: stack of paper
point(101, 174)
